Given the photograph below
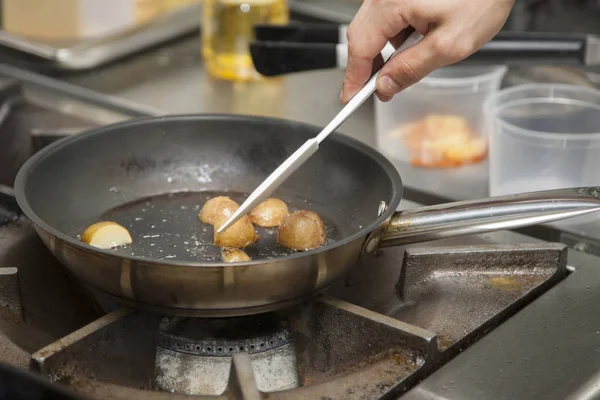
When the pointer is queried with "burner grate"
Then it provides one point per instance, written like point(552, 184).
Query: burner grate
point(224, 348)
point(190, 359)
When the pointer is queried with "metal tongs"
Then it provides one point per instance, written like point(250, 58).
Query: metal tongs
point(311, 146)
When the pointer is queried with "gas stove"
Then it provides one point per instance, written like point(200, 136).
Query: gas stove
point(390, 324)
point(491, 316)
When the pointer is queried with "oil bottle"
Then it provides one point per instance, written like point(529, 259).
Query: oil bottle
point(227, 30)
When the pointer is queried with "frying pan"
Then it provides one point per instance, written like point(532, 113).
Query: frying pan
point(153, 175)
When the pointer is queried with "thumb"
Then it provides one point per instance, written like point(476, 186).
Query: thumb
point(413, 64)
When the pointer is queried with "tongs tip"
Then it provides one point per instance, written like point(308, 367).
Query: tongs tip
point(231, 220)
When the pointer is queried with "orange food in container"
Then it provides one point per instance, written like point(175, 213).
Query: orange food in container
point(439, 122)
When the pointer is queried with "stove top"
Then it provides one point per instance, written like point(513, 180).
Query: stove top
point(490, 316)
point(395, 326)
point(390, 324)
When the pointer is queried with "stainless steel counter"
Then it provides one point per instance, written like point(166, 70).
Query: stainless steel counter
point(173, 80)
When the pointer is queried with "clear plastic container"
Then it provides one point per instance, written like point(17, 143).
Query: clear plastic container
point(439, 122)
point(542, 137)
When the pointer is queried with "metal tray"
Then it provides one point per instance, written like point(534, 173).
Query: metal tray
point(459, 293)
point(90, 53)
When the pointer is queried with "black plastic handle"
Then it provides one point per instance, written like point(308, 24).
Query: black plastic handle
point(299, 32)
point(278, 58)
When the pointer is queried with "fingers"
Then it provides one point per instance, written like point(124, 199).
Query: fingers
point(376, 64)
point(437, 49)
point(396, 42)
point(383, 98)
point(361, 55)
point(368, 34)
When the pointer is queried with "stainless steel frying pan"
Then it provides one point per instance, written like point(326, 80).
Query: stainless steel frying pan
point(153, 175)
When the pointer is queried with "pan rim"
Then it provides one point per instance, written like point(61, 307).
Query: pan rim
point(386, 165)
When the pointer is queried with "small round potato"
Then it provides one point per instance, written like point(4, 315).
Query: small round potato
point(209, 210)
point(233, 255)
point(302, 230)
point(239, 235)
point(269, 213)
point(106, 235)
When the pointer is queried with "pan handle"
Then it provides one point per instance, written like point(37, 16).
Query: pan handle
point(487, 215)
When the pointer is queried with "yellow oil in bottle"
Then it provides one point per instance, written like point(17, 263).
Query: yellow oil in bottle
point(227, 30)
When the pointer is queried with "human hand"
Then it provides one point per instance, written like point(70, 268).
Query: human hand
point(452, 29)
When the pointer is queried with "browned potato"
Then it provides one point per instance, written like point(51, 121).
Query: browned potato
point(302, 230)
point(240, 235)
point(232, 255)
point(106, 235)
point(209, 210)
point(269, 213)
